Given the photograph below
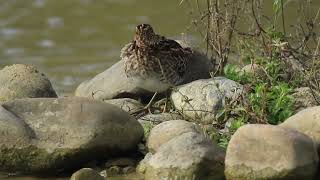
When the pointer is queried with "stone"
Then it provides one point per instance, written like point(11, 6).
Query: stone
point(188, 156)
point(52, 134)
point(113, 82)
point(254, 69)
point(110, 84)
point(121, 162)
point(150, 120)
point(86, 174)
point(303, 98)
point(168, 130)
point(201, 100)
point(259, 151)
point(113, 171)
point(307, 122)
point(126, 104)
point(142, 166)
point(24, 81)
point(128, 170)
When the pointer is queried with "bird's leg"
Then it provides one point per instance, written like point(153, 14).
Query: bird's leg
point(148, 106)
point(166, 102)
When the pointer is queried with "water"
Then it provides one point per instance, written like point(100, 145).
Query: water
point(73, 40)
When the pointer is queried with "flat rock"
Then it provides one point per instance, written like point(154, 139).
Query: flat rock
point(188, 156)
point(307, 122)
point(168, 130)
point(113, 82)
point(259, 151)
point(23, 81)
point(201, 100)
point(42, 134)
point(86, 174)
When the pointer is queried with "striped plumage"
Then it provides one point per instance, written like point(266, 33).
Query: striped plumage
point(154, 62)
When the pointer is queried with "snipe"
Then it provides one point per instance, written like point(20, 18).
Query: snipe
point(153, 62)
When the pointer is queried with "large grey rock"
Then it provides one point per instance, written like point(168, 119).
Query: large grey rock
point(23, 81)
point(113, 83)
point(86, 174)
point(307, 122)
point(168, 130)
point(202, 99)
point(188, 156)
point(109, 84)
point(42, 134)
point(270, 152)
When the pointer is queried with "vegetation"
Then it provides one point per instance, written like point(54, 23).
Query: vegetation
point(282, 57)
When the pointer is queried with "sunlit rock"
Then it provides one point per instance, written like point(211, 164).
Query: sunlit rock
point(201, 100)
point(270, 152)
point(23, 81)
point(41, 134)
point(307, 122)
point(188, 156)
point(168, 130)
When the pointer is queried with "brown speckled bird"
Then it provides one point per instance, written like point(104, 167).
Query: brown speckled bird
point(154, 62)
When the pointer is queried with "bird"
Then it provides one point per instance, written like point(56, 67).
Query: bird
point(154, 62)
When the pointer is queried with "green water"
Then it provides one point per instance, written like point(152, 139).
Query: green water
point(73, 40)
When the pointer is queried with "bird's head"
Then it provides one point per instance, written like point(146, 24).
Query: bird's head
point(144, 35)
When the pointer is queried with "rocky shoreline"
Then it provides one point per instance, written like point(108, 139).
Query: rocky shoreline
point(98, 132)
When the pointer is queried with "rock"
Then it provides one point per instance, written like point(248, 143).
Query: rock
point(150, 120)
point(47, 134)
point(122, 162)
point(166, 131)
point(307, 122)
point(254, 69)
point(188, 156)
point(303, 98)
point(258, 151)
point(202, 99)
point(126, 104)
point(23, 81)
point(86, 174)
point(128, 170)
point(142, 166)
point(159, 118)
point(113, 82)
point(113, 171)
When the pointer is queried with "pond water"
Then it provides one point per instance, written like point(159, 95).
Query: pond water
point(73, 40)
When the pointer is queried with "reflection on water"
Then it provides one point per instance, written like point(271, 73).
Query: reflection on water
point(73, 40)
